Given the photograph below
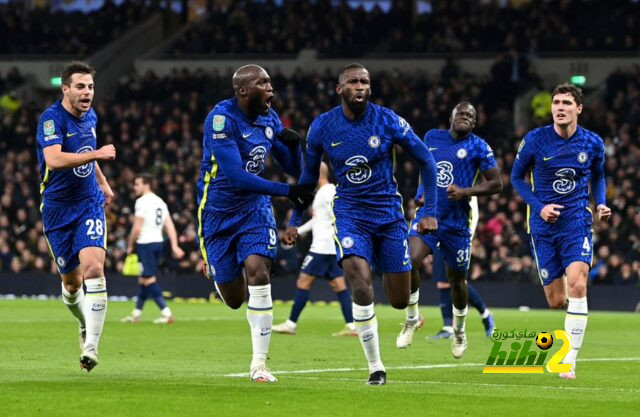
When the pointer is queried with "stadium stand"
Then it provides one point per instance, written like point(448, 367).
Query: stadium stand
point(347, 29)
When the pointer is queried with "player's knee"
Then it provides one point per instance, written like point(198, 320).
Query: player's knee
point(259, 276)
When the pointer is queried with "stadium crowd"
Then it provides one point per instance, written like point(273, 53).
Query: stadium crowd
point(156, 125)
point(340, 28)
point(37, 30)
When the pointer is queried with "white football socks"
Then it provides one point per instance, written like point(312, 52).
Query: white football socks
point(260, 318)
point(459, 318)
point(411, 312)
point(95, 309)
point(74, 303)
point(575, 323)
point(367, 328)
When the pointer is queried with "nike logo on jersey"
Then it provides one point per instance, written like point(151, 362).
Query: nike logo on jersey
point(333, 145)
point(271, 247)
point(246, 135)
point(71, 134)
point(405, 262)
point(546, 158)
point(432, 149)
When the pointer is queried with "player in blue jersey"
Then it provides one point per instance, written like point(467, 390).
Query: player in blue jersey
point(461, 157)
point(359, 138)
point(74, 191)
point(236, 227)
point(563, 159)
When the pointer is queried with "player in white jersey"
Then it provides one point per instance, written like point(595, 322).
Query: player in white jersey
point(151, 219)
point(321, 260)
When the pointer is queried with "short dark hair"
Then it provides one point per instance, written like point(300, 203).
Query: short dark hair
point(76, 67)
point(565, 88)
point(348, 67)
point(146, 178)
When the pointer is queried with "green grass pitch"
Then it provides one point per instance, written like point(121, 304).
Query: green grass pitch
point(198, 366)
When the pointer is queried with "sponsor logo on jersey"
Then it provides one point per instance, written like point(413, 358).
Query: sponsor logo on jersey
point(445, 174)
point(72, 134)
point(50, 137)
point(85, 170)
point(334, 144)
point(220, 135)
point(404, 125)
point(218, 122)
point(246, 135)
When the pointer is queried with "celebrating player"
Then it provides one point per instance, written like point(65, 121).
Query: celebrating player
point(151, 218)
point(461, 156)
point(359, 138)
point(74, 193)
point(563, 159)
point(321, 260)
point(236, 227)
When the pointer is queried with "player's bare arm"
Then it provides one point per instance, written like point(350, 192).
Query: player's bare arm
point(135, 232)
point(492, 185)
point(56, 159)
point(104, 186)
point(170, 228)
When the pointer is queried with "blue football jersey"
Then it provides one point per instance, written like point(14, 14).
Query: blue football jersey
point(561, 170)
point(57, 126)
point(227, 126)
point(459, 162)
point(362, 158)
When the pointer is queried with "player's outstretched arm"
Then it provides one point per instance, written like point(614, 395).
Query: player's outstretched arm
point(170, 228)
point(286, 150)
point(492, 185)
point(56, 159)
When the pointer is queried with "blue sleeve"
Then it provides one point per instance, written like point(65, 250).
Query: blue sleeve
point(49, 130)
point(222, 132)
point(521, 165)
point(311, 169)
point(405, 137)
point(598, 181)
point(289, 158)
point(485, 156)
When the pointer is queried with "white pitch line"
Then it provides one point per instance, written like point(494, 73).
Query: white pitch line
point(409, 367)
point(481, 384)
